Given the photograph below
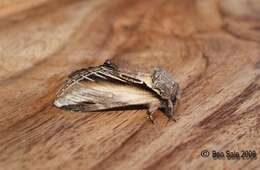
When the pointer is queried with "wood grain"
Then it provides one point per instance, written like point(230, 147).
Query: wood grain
point(211, 47)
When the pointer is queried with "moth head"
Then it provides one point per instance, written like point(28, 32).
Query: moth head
point(165, 84)
point(167, 109)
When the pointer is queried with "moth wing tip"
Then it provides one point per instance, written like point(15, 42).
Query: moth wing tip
point(58, 103)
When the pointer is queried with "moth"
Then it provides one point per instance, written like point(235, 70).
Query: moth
point(108, 87)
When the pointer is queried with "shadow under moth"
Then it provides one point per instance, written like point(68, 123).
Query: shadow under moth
point(108, 87)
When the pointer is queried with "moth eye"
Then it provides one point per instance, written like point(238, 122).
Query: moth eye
point(173, 99)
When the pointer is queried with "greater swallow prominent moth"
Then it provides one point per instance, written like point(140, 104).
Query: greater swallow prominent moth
point(108, 87)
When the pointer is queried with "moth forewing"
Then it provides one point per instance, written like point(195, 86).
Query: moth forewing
point(101, 95)
point(143, 78)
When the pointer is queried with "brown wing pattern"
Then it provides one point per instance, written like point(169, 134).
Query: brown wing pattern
point(102, 94)
point(104, 87)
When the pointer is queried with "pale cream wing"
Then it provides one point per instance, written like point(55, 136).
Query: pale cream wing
point(102, 94)
point(143, 78)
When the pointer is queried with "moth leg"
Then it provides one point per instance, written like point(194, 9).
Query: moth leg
point(170, 110)
point(152, 108)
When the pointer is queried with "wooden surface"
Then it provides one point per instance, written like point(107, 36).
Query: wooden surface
point(211, 47)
